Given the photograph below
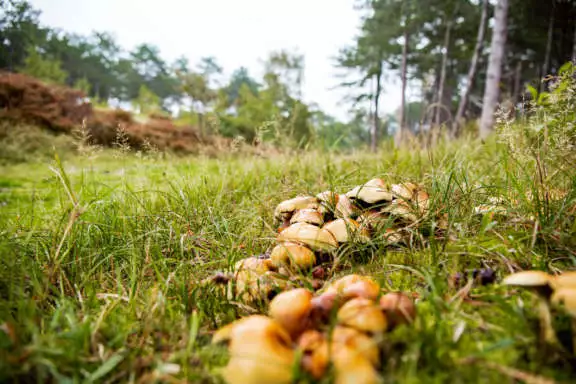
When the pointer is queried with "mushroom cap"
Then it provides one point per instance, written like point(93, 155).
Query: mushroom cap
point(363, 315)
point(315, 348)
point(345, 230)
point(401, 209)
point(345, 208)
point(328, 197)
point(392, 236)
point(528, 279)
point(398, 307)
point(351, 367)
point(287, 207)
point(349, 287)
point(314, 237)
point(291, 309)
point(567, 297)
point(290, 253)
point(357, 340)
point(254, 264)
point(260, 351)
point(404, 191)
point(308, 215)
point(564, 280)
point(372, 192)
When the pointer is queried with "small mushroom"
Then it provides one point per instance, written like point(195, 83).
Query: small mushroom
point(345, 230)
point(353, 285)
point(352, 367)
point(363, 315)
point(567, 297)
point(308, 215)
point(316, 238)
point(260, 351)
point(357, 340)
point(293, 254)
point(372, 192)
point(401, 209)
point(539, 283)
point(291, 309)
point(315, 357)
point(285, 209)
point(328, 201)
point(404, 191)
point(345, 208)
point(254, 264)
point(398, 307)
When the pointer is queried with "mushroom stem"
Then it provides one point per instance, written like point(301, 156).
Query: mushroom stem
point(547, 333)
point(573, 326)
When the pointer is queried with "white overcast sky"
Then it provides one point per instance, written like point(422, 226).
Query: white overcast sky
point(236, 32)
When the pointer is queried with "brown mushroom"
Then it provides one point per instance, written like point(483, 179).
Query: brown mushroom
point(345, 230)
point(316, 238)
point(345, 208)
point(398, 307)
point(292, 254)
point(310, 216)
point(372, 192)
point(260, 351)
point(285, 209)
point(363, 315)
point(291, 309)
point(539, 283)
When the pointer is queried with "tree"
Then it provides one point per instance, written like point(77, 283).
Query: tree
point(492, 91)
point(472, 71)
point(147, 101)
point(42, 68)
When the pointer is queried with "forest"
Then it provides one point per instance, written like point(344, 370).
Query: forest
point(163, 223)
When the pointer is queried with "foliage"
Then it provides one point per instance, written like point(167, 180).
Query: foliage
point(43, 68)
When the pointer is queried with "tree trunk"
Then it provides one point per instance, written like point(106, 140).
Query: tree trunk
point(471, 71)
point(492, 90)
point(517, 83)
point(403, 77)
point(440, 96)
point(376, 121)
point(546, 65)
point(574, 47)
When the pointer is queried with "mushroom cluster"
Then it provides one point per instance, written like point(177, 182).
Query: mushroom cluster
point(556, 290)
point(340, 327)
point(311, 227)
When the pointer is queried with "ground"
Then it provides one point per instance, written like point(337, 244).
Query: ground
point(102, 261)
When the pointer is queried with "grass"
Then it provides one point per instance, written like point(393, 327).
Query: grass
point(102, 262)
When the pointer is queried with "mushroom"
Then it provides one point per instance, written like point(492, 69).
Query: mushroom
point(398, 307)
point(328, 201)
point(315, 357)
point(285, 209)
point(308, 215)
point(392, 236)
point(294, 254)
point(363, 315)
point(564, 280)
point(251, 286)
point(291, 309)
point(352, 367)
point(401, 209)
point(254, 264)
point(260, 351)
point(344, 230)
point(538, 282)
point(567, 297)
point(353, 285)
point(357, 340)
point(404, 191)
point(372, 192)
point(345, 208)
point(314, 237)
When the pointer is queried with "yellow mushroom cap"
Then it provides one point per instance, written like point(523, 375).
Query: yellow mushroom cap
point(259, 349)
point(354, 285)
point(315, 357)
point(567, 297)
point(528, 279)
point(308, 215)
point(374, 191)
point(344, 207)
point(344, 230)
point(398, 307)
point(564, 280)
point(314, 237)
point(287, 207)
point(405, 191)
point(351, 367)
point(254, 264)
point(290, 253)
point(291, 309)
point(363, 315)
point(357, 340)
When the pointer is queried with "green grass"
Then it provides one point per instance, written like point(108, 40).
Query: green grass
point(102, 262)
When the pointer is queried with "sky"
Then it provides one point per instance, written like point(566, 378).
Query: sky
point(236, 32)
